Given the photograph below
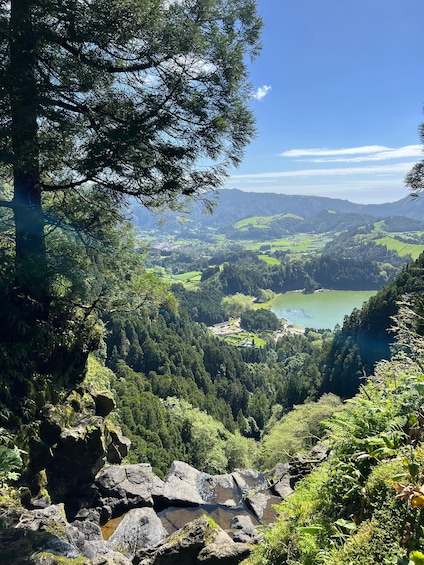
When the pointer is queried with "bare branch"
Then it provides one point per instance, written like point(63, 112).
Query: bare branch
point(7, 204)
point(103, 65)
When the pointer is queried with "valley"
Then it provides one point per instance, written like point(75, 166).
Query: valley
point(238, 352)
point(348, 250)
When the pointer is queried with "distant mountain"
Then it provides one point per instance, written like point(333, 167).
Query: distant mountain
point(234, 205)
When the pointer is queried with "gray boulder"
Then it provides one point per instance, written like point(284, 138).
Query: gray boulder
point(118, 448)
point(53, 520)
point(198, 542)
point(258, 502)
point(138, 530)
point(183, 485)
point(93, 544)
point(41, 537)
point(281, 480)
point(223, 551)
point(244, 530)
point(104, 403)
point(128, 486)
point(222, 490)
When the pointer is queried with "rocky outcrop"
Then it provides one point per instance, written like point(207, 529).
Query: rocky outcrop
point(131, 516)
point(244, 530)
point(74, 442)
point(281, 481)
point(182, 485)
point(128, 486)
point(126, 515)
point(45, 537)
point(199, 542)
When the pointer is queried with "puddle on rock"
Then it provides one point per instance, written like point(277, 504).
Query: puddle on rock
point(110, 527)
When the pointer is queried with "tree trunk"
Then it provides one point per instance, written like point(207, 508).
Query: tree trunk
point(31, 265)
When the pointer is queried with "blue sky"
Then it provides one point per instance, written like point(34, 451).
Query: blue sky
point(339, 96)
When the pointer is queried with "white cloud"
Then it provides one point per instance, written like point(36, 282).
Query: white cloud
point(325, 151)
point(368, 173)
point(372, 190)
point(394, 168)
point(383, 154)
point(261, 92)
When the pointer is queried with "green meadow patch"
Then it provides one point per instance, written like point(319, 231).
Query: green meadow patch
point(258, 222)
point(269, 260)
point(190, 279)
point(401, 247)
point(299, 243)
point(188, 276)
point(244, 339)
point(261, 222)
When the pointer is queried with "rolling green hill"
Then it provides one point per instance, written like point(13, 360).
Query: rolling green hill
point(234, 205)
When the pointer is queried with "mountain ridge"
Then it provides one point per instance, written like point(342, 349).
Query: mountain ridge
point(232, 205)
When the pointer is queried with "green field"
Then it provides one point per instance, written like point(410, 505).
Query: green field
point(261, 222)
point(190, 279)
point(269, 260)
point(189, 276)
point(401, 247)
point(299, 243)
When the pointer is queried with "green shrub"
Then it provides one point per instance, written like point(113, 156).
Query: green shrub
point(298, 431)
point(348, 511)
point(10, 459)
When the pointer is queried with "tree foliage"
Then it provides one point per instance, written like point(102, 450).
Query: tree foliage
point(129, 97)
point(102, 102)
point(365, 336)
point(259, 320)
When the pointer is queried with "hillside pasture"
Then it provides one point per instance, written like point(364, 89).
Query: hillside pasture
point(401, 247)
point(261, 222)
point(190, 279)
point(269, 260)
point(299, 243)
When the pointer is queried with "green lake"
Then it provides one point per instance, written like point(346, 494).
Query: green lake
point(323, 309)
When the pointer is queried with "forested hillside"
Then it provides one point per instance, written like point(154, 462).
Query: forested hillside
point(366, 335)
point(244, 389)
point(364, 504)
point(170, 356)
point(261, 276)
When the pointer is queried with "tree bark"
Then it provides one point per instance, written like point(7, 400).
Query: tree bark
point(31, 264)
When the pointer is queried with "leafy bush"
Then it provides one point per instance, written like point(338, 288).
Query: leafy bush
point(10, 459)
point(10, 462)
